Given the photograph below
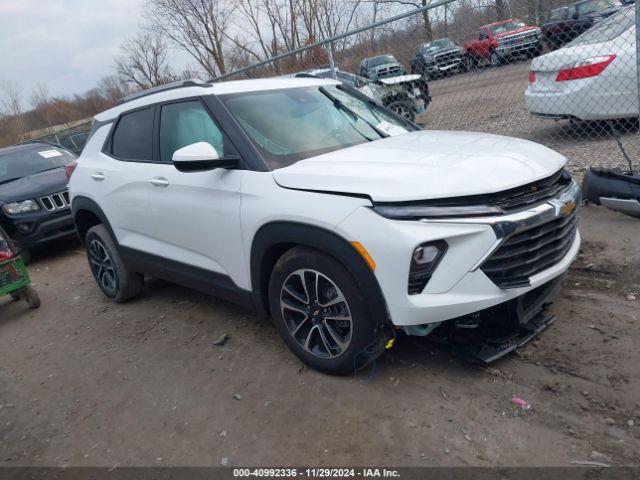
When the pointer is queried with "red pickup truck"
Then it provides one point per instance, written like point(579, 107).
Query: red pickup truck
point(499, 41)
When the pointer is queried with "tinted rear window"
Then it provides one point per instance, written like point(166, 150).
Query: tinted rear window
point(132, 138)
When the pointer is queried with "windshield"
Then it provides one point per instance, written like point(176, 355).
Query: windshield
point(381, 60)
point(291, 124)
point(558, 14)
point(594, 6)
point(608, 29)
point(21, 162)
point(507, 26)
point(437, 45)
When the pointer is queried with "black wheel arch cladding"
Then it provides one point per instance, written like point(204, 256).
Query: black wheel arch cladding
point(86, 214)
point(274, 239)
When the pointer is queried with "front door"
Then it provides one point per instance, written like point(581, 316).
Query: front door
point(196, 215)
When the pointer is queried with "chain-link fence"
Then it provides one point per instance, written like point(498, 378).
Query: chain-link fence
point(562, 75)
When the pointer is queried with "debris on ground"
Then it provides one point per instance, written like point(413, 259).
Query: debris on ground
point(523, 404)
point(590, 463)
point(221, 340)
point(237, 396)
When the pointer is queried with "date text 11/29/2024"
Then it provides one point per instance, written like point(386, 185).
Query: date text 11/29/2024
point(315, 473)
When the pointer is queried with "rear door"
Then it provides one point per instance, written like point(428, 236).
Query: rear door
point(196, 215)
point(120, 178)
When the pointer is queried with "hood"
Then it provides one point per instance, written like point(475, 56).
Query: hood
point(424, 165)
point(525, 29)
point(399, 79)
point(444, 50)
point(34, 186)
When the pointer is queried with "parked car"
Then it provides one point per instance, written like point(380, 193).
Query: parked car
point(591, 78)
point(438, 58)
point(566, 23)
point(34, 201)
point(74, 142)
point(406, 95)
point(501, 41)
point(382, 66)
point(304, 200)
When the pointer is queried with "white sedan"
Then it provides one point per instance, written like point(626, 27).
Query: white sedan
point(592, 78)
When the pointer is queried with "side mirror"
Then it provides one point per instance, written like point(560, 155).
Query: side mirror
point(201, 156)
point(360, 82)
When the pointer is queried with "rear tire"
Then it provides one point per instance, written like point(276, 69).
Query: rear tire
point(31, 297)
point(331, 331)
point(108, 270)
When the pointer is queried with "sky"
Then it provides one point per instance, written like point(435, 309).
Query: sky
point(66, 44)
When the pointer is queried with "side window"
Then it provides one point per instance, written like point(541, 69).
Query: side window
point(132, 138)
point(483, 35)
point(184, 123)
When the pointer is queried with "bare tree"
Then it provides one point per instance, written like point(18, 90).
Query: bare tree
point(11, 103)
point(40, 101)
point(143, 61)
point(199, 27)
point(428, 31)
point(112, 88)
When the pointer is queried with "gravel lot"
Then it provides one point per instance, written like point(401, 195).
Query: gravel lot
point(492, 100)
point(85, 382)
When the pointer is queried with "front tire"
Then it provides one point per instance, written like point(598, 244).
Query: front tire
point(495, 59)
point(116, 282)
point(321, 313)
point(403, 109)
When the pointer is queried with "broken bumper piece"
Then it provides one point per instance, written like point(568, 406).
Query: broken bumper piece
point(490, 334)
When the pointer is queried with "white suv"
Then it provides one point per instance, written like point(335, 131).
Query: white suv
point(305, 200)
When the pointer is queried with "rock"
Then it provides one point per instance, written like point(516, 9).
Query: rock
point(224, 461)
point(631, 423)
point(447, 451)
point(221, 340)
point(223, 433)
point(631, 297)
point(609, 421)
point(237, 396)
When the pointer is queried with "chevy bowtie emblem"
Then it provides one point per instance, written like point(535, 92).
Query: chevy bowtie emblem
point(563, 209)
point(534, 188)
point(567, 208)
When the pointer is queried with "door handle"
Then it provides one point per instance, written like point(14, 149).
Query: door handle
point(159, 182)
point(98, 176)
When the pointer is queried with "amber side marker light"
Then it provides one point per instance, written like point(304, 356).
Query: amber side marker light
point(364, 254)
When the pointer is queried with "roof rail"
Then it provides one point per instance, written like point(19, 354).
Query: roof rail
point(192, 82)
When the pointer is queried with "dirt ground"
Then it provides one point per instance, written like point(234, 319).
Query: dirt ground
point(87, 383)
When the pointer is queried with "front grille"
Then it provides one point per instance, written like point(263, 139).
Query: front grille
point(448, 58)
point(56, 201)
point(530, 194)
point(531, 251)
point(519, 39)
point(512, 200)
point(388, 72)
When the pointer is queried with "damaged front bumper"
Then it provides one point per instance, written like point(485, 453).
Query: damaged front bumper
point(490, 334)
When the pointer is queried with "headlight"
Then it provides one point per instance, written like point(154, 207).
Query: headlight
point(424, 261)
point(417, 212)
point(16, 208)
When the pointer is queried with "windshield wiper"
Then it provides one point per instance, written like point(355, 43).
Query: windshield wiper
point(9, 180)
point(341, 106)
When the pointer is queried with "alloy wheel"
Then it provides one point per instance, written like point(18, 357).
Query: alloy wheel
point(102, 267)
point(402, 111)
point(316, 313)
